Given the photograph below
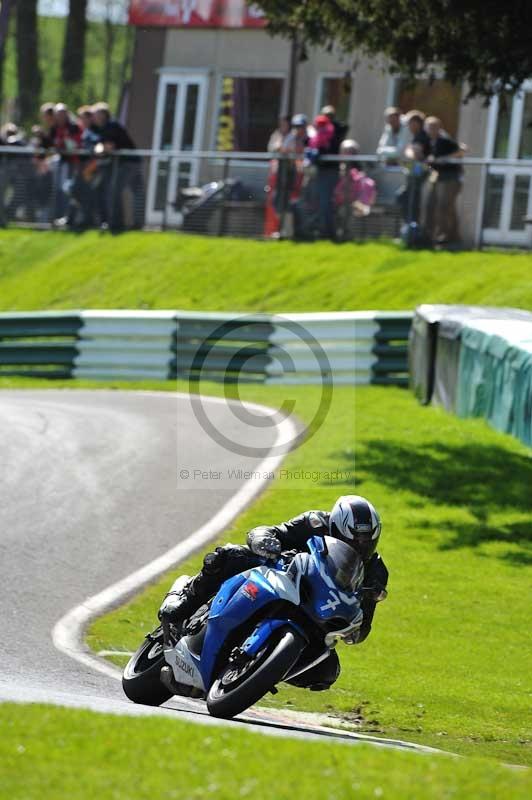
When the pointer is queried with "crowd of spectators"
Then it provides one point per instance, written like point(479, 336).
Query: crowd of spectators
point(310, 197)
point(70, 179)
point(434, 175)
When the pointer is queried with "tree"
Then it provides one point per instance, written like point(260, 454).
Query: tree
point(29, 77)
point(484, 43)
point(73, 58)
point(5, 11)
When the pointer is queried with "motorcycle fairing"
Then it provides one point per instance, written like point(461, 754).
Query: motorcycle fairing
point(264, 630)
point(185, 665)
point(238, 599)
point(327, 601)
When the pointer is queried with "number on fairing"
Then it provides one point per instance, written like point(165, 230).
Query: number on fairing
point(332, 602)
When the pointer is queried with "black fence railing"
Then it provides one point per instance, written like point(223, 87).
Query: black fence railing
point(255, 194)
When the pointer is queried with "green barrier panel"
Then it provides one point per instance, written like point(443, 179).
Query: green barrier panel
point(495, 376)
point(44, 323)
point(37, 353)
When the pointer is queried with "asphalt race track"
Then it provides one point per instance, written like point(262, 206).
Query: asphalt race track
point(90, 491)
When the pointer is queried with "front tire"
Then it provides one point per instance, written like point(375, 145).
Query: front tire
point(141, 680)
point(230, 694)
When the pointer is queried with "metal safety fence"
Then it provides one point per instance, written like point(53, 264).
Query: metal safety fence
point(258, 195)
point(367, 347)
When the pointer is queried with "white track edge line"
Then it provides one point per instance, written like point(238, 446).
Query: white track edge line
point(67, 634)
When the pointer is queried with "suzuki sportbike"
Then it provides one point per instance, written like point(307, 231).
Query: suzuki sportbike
point(266, 625)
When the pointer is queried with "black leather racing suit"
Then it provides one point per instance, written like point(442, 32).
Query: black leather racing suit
point(229, 560)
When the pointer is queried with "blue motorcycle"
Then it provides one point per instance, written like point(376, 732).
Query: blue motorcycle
point(270, 624)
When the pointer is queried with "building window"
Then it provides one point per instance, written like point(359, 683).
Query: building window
point(502, 132)
point(335, 91)
point(525, 143)
point(437, 98)
point(248, 112)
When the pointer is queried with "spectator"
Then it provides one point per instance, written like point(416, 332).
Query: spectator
point(112, 134)
point(354, 188)
point(90, 135)
point(295, 144)
point(42, 183)
point(277, 139)
point(65, 135)
point(323, 143)
point(444, 185)
point(285, 176)
point(47, 115)
point(417, 151)
point(395, 137)
point(15, 175)
point(340, 128)
point(84, 196)
point(354, 193)
point(11, 135)
point(122, 183)
point(418, 148)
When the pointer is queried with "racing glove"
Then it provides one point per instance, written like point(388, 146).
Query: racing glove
point(263, 543)
point(375, 594)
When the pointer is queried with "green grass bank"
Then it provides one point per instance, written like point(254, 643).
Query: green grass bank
point(47, 753)
point(59, 270)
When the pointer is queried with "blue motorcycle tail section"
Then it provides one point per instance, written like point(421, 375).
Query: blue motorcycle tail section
point(238, 599)
point(264, 630)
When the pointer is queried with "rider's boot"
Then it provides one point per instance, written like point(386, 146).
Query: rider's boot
point(179, 605)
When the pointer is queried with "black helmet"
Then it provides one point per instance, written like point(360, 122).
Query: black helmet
point(355, 521)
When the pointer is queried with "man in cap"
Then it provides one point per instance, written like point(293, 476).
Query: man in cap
point(395, 137)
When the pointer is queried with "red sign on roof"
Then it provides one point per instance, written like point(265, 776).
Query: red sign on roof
point(195, 14)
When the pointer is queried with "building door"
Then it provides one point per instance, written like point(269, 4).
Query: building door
point(507, 195)
point(179, 117)
point(437, 98)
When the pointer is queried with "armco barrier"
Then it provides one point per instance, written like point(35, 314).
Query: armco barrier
point(347, 347)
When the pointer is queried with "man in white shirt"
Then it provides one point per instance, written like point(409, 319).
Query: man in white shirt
point(395, 136)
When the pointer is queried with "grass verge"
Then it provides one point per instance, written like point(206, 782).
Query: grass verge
point(455, 501)
point(49, 752)
point(60, 270)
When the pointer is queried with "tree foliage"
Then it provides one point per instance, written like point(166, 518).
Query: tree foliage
point(483, 43)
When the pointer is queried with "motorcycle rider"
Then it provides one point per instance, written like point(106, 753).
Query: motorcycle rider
point(353, 520)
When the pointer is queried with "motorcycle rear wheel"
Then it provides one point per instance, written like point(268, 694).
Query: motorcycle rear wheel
point(233, 691)
point(141, 680)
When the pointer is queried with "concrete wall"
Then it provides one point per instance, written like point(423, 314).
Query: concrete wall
point(472, 132)
point(149, 46)
point(254, 52)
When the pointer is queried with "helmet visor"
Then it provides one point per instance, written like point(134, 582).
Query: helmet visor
point(344, 565)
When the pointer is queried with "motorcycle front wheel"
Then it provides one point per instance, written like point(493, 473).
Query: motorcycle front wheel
point(239, 685)
point(141, 680)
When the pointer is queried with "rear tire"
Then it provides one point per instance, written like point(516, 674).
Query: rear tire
point(226, 699)
point(141, 680)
